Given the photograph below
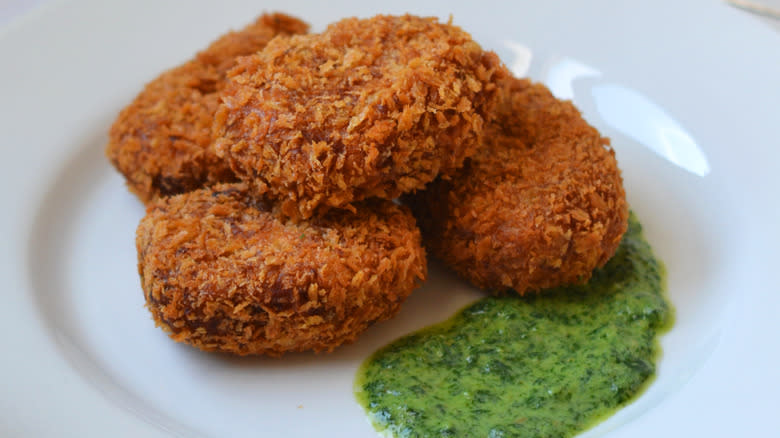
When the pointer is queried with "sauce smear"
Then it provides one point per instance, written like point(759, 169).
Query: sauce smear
point(548, 365)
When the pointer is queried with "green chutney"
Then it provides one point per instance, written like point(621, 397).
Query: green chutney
point(547, 365)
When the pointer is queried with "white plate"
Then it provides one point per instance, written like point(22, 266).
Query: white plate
point(689, 93)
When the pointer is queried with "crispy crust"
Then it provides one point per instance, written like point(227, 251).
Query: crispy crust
point(223, 271)
point(161, 142)
point(540, 205)
point(369, 108)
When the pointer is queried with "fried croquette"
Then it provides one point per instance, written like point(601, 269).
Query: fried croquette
point(224, 271)
point(161, 142)
point(540, 205)
point(369, 108)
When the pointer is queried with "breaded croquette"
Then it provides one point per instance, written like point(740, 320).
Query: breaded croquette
point(161, 142)
point(369, 108)
point(540, 205)
point(225, 271)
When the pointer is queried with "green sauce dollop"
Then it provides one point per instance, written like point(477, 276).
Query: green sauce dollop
point(546, 365)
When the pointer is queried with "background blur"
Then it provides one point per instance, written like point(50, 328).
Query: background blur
point(766, 11)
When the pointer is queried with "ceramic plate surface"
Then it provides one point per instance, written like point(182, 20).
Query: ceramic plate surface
point(689, 94)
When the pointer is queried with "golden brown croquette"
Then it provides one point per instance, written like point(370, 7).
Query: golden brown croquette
point(540, 205)
point(161, 142)
point(369, 108)
point(224, 271)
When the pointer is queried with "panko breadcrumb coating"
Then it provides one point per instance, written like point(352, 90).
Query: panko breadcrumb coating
point(224, 271)
point(161, 142)
point(369, 108)
point(540, 205)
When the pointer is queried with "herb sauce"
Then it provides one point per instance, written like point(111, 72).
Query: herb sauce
point(546, 365)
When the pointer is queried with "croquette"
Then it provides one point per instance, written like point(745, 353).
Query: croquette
point(369, 108)
point(161, 142)
point(540, 205)
point(224, 271)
